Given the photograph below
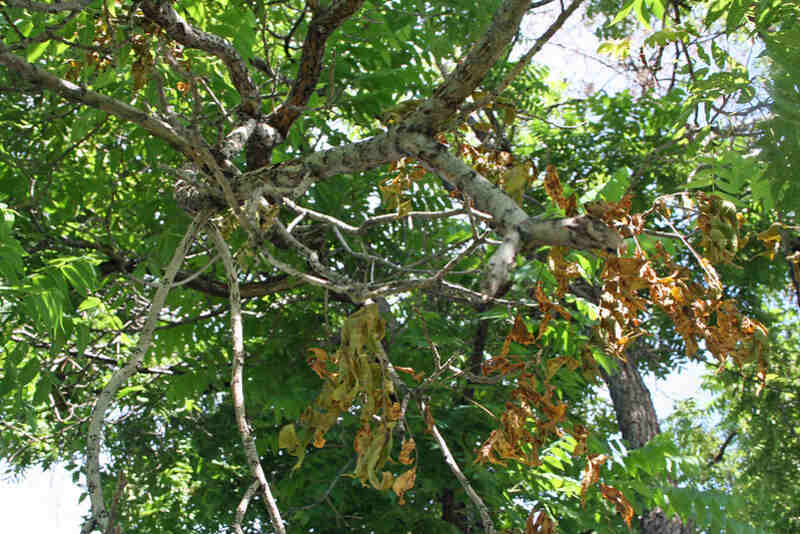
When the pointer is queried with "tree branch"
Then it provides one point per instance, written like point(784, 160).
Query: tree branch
point(322, 25)
point(50, 8)
point(237, 384)
point(40, 78)
point(488, 526)
point(537, 46)
point(294, 177)
point(721, 453)
point(471, 70)
point(181, 31)
point(100, 515)
point(580, 232)
point(243, 504)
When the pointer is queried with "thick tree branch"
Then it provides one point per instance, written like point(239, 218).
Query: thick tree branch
point(237, 384)
point(322, 25)
point(294, 177)
point(42, 79)
point(94, 439)
point(181, 31)
point(580, 232)
point(472, 69)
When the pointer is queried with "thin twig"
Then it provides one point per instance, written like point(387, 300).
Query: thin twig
point(242, 507)
point(488, 526)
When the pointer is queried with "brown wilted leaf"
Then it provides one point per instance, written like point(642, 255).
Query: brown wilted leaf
point(553, 188)
point(624, 508)
point(406, 449)
point(409, 371)
point(554, 364)
point(563, 270)
point(571, 206)
point(541, 525)
point(429, 422)
point(591, 473)
point(581, 434)
point(519, 332)
point(317, 362)
point(403, 483)
point(395, 411)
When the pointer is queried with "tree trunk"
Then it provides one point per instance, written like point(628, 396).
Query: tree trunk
point(638, 424)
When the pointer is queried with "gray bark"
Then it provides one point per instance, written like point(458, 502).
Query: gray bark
point(638, 423)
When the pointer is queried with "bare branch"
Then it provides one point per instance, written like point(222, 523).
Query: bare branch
point(721, 453)
point(100, 516)
point(40, 78)
point(537, 46)
point(488, 526)
point(237, 384)
point(243, 504)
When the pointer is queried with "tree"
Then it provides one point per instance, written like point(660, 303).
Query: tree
point(363, 262)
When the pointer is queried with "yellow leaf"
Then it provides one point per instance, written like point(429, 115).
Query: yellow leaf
point(404, 482)
point(287, 437)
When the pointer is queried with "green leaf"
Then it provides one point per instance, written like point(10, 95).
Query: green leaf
point(34, 52)
point(197, 10)
point(624, 11)
point(616, 187)
point(28, 372)
point(43, 388)
point(642, 13)
point(736, 11)
point(605, 362)
point(658, 8)
point(124, 392)
point(90, 303)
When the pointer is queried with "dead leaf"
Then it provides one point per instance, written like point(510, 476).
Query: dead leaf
point(624, 508)
point(404, 482)
point(591, 473)
point(541, 525)
point(519, 332)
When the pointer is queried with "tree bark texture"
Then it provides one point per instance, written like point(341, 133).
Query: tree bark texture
point(638, 423)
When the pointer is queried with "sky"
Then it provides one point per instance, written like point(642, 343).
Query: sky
point(42, 502)
point(48, 501)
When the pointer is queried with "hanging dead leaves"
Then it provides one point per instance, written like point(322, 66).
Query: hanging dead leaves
point(631, 287)
point(535, 415)
point(354, 375)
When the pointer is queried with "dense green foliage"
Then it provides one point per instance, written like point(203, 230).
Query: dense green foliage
point(90, 223)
